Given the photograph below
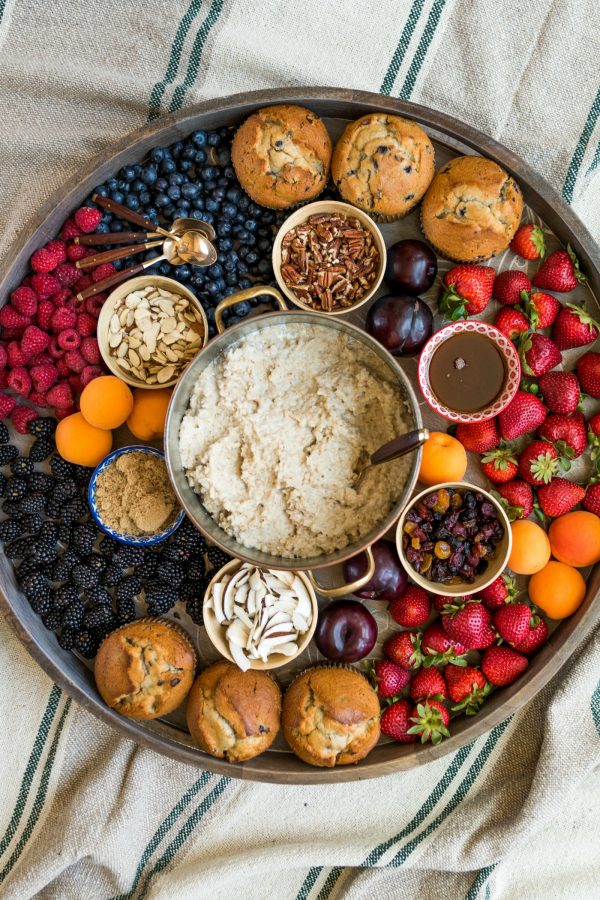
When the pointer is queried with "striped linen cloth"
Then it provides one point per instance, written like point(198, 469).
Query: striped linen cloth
point(84, 813)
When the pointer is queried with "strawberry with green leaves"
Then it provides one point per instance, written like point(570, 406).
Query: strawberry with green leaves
point(467, 688)
point(512, 621)
point(560, 391)
point(567, 433)
point(471, 625)
point(559, 497)
point(439, 649)
point(524, 413)
point(502, 590)
point(528, 242)
point(594, 437)
point(396, 722)
point(431, 720)
point(538, 354)
point(388, 678)
point(517, 499)
point(499, 465)
point(559, 272)
point(588, 372)
point(404, 649)
point(541, 308)
point(509, 286)
point(539, 463)
point(536, 636)
point(503, 665)
point(467, 291)
point(428, 683)
point(478, 437)
point(574, 327)
point(511, 322)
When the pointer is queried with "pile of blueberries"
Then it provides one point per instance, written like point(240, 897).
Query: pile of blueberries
point(81, 582)
point(194, 178)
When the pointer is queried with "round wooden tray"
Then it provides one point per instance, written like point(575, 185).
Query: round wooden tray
point(450, 137)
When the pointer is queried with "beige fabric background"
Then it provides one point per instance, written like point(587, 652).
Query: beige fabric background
point(84, 813)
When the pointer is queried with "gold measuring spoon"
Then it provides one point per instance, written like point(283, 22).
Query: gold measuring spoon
point(400, 446)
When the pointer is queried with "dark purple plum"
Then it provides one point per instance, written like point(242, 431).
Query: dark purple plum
point(389, 580)
point(346, 631)
point(401, 323)
point(411, 267)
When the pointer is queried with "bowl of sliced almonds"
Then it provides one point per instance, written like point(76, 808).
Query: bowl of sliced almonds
point(259, 618)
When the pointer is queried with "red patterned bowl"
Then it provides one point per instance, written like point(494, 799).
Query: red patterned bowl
point(506, 348)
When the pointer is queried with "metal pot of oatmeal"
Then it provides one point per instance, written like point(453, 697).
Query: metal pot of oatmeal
point(267, 427)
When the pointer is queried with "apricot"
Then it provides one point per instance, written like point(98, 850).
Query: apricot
point(79, 442)
point(530, 547)
point(575, 538)
point(147, 419)
point(444, 459)
point(106, 402)
point(558, 589)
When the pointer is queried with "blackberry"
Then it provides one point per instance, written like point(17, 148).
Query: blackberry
point(84, 538)
point(21, 466)
point(18, 549)
point(52, 620)
point(64, 596)
point(82, 475)
point(170, 572)
point(41, 449)
point(190, 590)
point(7, 454)
point(128, 588)
point(65, 534)
point(177, 554)
point(99, 618)
point(36, 587)
point(33, 503)
point(4, 435)
point(85, 644)
point(12, 509)
point(48, 530)
point(45, 550)
point(160, 599)
point(2, 482)
point(107, 546)
point(72, 615)
point(195, 569)
point(53, 508)
point(41, 605)
point(217, 557)
point(64, 565)
point(147, 567)
point(30, 566)
point(74, 510)
point(112, 575)
point(96, 562)
point(126, 556)
point(99, 596)
point(16, 488)
point(61, 468)
point(84, 577)
point(187, 536)
point(66, 639)
point(45, 425)
point(33, 523)
point(125, 611)
point(40, 482)
point(64, 490)
point(11, 529)
point(194, 611)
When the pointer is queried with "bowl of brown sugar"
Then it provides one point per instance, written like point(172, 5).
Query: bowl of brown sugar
point(131, 498)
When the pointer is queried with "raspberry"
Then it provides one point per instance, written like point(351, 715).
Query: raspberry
point(75, 381)
point(12, 318)
point(60, 395)
point(82, 283)
point(104, 270)
point(54, 349)
point(67, 274)
point(70, 230)
point(76, 252)
point(24, 301)
point(45, 285)
point(44, 314)
point(3, 356)
point(88, 374)
point(61, 413)
point(19, 381)
point(7, 404)
point(62, 367)
point(14, 355)
point(86, 324)
point(62, 319)
point(93, 305)
point(38, 398)
point(87, 219)
point(62, 298)
point(40, 359)
point(44, 376)
point(74, 359)
point(34, 341)
point(58, 249)
point(43, 260)
point(68, 339)
point(90, 350)
point(4, 379)
point(21, 416)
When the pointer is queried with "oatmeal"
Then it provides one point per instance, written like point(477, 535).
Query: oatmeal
point(276, 428)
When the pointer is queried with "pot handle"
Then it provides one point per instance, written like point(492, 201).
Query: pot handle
point(347, 588)
point(256, 291)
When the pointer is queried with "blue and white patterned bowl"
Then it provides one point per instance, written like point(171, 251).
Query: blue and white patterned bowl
point(146, 540)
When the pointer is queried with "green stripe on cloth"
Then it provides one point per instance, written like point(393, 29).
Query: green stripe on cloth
point(398, 57)
point(595, 706)
point(2, 4)
point(421, 52)
point(162, 830)
point(38, 803)
point(32, 764)
point(582, 143)
point(173, 65)
point(479, 881)
point(309, 882)
point(595, 162)
point(330, 883)
point(196, 54)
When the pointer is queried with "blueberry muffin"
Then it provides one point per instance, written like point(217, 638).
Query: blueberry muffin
point(231, 714)
point(331, 716)
point(383, 164)
point(472, 209)
point(146, 668)
point(281, 156)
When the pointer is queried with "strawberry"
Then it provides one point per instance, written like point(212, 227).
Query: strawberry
point(396, 722)
point(21, 416)
point(542, 309)
point(588, 372)
point(87, 219)
point(478, 437)
point(428, 683)
point(439, 649)
point(471, 625)
point(567, 433)
point(537, 634)
point(591, 501)
point(517, 499)
point(538, 354)
point(468, 291)
point(560, 496)
point(7, 404)
point(24, 300)
point(511, 322)
point(560, 391)
point(431, 720)
point(509, 285)
point(574, 327)
point(524, 413)
point(499, 592)
point(528, 242)
point(388, 678)
point(594, 436)
point(499, 465)
point(412, 608)
point(34, 341)
point(467, 688)
point(404, 648)
point(539, 462)
point(512, 621)
point(559, 272)
point(502, 665)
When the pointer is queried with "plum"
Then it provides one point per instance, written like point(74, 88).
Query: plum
point(401, 323)
point(411, 267)
point(346, 631)
point(389, 580)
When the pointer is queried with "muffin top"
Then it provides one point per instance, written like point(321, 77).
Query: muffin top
point(383, 164)
point(472, 209)
point(232, 714)
point(145, 669)
point(331, 716)
point(281, 156)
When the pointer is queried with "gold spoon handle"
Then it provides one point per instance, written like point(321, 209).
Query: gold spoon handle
point(88, 262)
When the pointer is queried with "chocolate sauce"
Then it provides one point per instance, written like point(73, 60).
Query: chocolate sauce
point(467, 372)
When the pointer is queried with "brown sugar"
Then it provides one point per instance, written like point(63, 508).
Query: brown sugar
point(134, 496)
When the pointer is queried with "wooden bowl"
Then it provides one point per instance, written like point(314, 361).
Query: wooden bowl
point(317, 208)
point(138, 284)
point(497, 563)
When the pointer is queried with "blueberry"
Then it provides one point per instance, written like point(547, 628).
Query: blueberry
point(128, 173)
point(242, 234)
point(102, 228)
point(264, 266)
point(215, 271)
point(212, 205)
point(252, 257)
point(200, 158)
point(169, 211)
point(185, 165)
point(218, 194)
point(117, 225)
point(229, 173)
point(174, 192)
point(208, 217)
point(198, 206)
point(161, 200)
point(161, 184)
point(229, 210)
point(225, 243)
point(165, 268)
point(112, 184)
point(190, 190)
point(199, 138)
point(149, 175)
point(144, 197)
point(243, 202)
point(184, 272)
point(189, 152)
point(176, 178)
point(210, 172)
point(167, 166)
point(137, 185)
point(151, 213)
point(177, 148)
point(251, 224)
point(132, 202)
point(102, 191)
point(117, 196)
